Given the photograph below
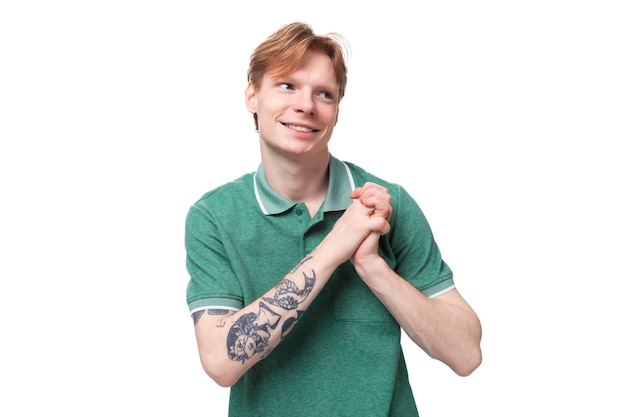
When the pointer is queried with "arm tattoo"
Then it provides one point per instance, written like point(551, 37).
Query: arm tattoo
point(288, 295)
point(289, 323)
point(295, 268)
point(196, 316)
point(217, 311)
point(251, 333)
point(211, 311)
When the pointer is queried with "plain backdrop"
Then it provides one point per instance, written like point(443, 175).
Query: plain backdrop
point(505, 120)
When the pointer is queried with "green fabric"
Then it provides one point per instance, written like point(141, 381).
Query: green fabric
point(344, 357)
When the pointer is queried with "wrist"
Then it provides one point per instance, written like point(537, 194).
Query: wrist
point(370, 267)
point(326, 257)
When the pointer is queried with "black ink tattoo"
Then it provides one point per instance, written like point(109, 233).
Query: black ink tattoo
point(288, 295)
point(295, 268)
point(250, 334)
point(211, 311)
point(217, 311)
point(289, 323)
point(196, 316)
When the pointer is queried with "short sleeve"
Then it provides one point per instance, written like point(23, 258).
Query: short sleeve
point(416, 254)
point(212, 282)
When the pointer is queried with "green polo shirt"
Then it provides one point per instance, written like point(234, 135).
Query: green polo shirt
point(344, 357)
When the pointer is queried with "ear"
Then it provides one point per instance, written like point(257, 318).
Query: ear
point(250, 98)
point(336, 117)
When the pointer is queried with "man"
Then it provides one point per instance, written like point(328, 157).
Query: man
point(304, 272)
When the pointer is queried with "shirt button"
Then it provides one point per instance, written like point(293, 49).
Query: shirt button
point(298, 211)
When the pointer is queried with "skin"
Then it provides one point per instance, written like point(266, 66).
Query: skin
point(297, 115)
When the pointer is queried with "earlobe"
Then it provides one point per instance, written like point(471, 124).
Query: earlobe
point(250, 98)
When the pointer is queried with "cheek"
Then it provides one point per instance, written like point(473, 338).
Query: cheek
point(265, 109)
point(331, 116)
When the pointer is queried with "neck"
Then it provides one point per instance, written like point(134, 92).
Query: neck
point(299, 179)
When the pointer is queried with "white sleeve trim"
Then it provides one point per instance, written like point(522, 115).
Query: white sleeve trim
point(213, 308)
point(437, 294)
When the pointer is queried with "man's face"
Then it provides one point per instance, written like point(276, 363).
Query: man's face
point(297, 113)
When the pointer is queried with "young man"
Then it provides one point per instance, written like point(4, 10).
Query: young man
point(304, 272)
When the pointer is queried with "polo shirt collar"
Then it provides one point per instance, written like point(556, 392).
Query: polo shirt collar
point(340, 184)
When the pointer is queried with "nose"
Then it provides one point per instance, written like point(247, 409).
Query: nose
point(304, 102)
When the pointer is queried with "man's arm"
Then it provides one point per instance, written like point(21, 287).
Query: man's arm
point(445, 327)
point(230, 343)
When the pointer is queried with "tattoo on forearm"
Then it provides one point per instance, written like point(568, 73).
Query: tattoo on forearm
point(289, 323)
point(250, 334)
point(288, 295)
point(295, 268)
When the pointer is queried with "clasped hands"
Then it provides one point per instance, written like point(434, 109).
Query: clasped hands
point(377, 199)
point(355, 235)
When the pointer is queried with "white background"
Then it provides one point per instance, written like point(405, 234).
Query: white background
point(505, 120)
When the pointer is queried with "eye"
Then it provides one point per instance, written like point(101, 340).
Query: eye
point(286, 86)
point(326, 95)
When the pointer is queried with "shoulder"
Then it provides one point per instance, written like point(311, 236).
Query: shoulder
point(226, 197)
point(233, 189)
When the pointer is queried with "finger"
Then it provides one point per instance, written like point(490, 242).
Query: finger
point(356, 193)
point(372, 198)
point(379, 225)
point(372, 186)
point(382, 209)
point(379, 201)
point(367, 189)
point(379, 208)
point(371, 190)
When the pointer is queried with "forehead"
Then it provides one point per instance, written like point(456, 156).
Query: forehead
point(314, 67)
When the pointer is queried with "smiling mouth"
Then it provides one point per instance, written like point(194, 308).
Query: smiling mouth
point(300, 128)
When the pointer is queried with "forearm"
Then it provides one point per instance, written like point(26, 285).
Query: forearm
point(445, 327)
point(229, 345)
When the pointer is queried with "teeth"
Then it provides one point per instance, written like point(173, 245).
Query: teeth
point(300, 128)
